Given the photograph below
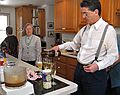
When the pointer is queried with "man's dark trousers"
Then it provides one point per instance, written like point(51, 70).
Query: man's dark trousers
point(90, 83)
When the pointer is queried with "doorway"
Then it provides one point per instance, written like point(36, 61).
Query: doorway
point(4, 22)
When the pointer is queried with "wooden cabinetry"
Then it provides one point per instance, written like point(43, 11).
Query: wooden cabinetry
point(118, 4)
point(66, 67)
point(117, 7)
point(65, 16)
point(24, 14)
point(81, 21)
point(41, 17)
point(109, 8)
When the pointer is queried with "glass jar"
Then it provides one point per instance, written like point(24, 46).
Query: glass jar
point(15, 76)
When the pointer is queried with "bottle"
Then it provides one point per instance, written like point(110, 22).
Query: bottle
point(51, 53)
point(4, 55)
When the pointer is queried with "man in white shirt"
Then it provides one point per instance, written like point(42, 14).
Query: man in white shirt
point(92, 77)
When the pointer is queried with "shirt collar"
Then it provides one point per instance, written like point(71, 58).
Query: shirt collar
point(98, 23)
point(29, 37)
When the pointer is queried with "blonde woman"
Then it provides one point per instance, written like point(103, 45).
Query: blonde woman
point(29, 46)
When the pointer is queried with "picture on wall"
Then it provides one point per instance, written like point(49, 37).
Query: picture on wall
point(50, 25)
point(50, 33)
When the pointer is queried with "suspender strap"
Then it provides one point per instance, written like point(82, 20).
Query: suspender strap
point(101, 42)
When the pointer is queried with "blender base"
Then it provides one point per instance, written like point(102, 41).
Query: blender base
point(27, 89)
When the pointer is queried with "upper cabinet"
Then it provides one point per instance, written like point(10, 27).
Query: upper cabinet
point(109, 11)
point(81, 21)
point(68, 17)
point(118, 4)
point(25, 14)
point(65, 16)
point(118, 7)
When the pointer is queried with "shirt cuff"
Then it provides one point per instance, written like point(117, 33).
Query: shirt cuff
point(61, 46)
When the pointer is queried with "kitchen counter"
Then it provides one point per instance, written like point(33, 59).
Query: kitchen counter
point(69, 54)
point(70, 88)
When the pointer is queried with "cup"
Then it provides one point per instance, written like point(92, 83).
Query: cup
point(46, 75)
point(39, 65)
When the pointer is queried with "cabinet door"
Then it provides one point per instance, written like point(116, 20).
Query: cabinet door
point(41, 16)
point(106, 10)
point(27, 14)
point(71, 66)
point(70, 72)
point(59, 15)
point(61, 69)
point(118, 4)
point(81, 22)
point(18, 13)
point(71, 16)
point(109, 8)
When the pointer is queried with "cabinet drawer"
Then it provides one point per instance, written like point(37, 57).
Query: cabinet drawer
point(70, 72)
point(61, 59)
point(61, 68)
point(71, 61)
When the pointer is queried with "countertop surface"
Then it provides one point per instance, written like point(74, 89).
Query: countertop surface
point(69, 54)
point(72, 87)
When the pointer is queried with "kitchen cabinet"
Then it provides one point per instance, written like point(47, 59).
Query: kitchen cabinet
point(118, 4)
point(66, 66)
point(118, 7)
point(24, 14)
point(109, 14)
point(81, 21)
point(65, 16)
point(41, 18)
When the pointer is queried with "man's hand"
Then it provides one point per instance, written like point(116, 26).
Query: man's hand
point(91, 68)
point(56, 48)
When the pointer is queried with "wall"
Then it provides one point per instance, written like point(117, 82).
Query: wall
point(49, 10)
point(11, 11)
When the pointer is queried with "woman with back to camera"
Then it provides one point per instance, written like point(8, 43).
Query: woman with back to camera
point(10, 44)
point(29, 46)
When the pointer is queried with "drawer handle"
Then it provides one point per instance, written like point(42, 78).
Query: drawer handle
point(58, 58)
point(63, 28)
point(58, 67)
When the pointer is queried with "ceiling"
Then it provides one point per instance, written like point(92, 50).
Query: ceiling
point(15, 3)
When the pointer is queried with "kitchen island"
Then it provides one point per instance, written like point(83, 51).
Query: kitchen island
point(69, 88)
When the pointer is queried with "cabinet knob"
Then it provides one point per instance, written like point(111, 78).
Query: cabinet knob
point(58, 67)
point(58, 58)
point(63, 28)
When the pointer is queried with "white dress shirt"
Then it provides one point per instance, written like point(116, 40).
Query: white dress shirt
point(30, 48)
point(88, 43)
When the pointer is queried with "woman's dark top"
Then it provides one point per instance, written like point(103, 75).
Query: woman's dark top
point(10, 44)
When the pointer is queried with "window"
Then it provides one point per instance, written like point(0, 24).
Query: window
point(4, 22)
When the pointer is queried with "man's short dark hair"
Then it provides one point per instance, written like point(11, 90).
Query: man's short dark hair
point(9, 30)
point(92, 5)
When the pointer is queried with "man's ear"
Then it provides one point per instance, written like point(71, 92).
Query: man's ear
point(96, 11)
